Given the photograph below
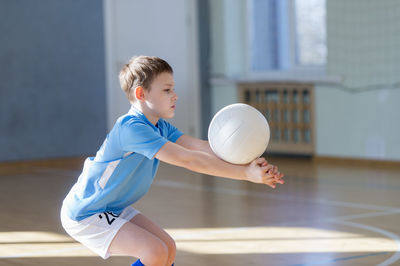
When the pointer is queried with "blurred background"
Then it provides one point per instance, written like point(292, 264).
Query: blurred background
point(59, 61)
point(325, 73)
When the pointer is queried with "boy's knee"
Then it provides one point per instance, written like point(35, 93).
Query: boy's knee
point(158, 254)
point(171, 251)
point(170, 244)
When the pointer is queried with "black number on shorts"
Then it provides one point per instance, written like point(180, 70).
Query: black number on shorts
point(110, 220)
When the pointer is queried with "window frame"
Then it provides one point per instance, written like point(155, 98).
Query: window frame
point(291, 66)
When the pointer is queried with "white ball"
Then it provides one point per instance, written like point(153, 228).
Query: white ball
point(238, 133)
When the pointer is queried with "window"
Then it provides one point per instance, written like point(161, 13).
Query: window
point(286, 35)
point(310, 32)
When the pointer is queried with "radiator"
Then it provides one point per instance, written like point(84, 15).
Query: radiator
point(289, 109)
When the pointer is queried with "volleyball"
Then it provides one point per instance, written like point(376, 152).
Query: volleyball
point(238, 133)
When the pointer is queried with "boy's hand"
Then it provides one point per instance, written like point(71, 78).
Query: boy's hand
point(259, 171)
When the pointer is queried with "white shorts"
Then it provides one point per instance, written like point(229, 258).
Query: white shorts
point(97, 231)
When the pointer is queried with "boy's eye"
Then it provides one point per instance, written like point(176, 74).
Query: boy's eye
point(167, 90)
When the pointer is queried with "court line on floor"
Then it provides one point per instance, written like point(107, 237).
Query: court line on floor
point(395, 257)
point(239, 192)
point(386, 210)
point(364, 215)
point(43, 253)
point(176, 184)
point(340, 259)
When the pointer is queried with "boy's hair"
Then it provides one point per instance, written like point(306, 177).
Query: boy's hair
point(141, 71)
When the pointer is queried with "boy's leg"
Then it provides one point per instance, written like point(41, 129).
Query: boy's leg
point(145, 223)
point(132, 240)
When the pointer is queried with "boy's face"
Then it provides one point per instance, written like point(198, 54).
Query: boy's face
point(161, 98)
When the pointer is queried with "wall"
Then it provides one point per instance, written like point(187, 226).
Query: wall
point(358, 125)
point(228, 45)
point(228, 37)
point(167, 29)
point(52, 92)
point(357, 119)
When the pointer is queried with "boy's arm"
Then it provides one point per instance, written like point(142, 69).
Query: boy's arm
point(258, 171)
point(196, 144)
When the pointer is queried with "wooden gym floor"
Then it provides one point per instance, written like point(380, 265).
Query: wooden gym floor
point(325, 214)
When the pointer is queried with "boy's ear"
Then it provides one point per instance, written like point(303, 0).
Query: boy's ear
point(139, 93)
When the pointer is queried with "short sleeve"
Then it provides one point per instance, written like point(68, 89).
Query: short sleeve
point(171, 132)
point(141, 138)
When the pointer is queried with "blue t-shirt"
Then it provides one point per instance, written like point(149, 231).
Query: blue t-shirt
point(123, 169)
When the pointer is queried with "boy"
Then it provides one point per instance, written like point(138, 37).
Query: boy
point(97, 211)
